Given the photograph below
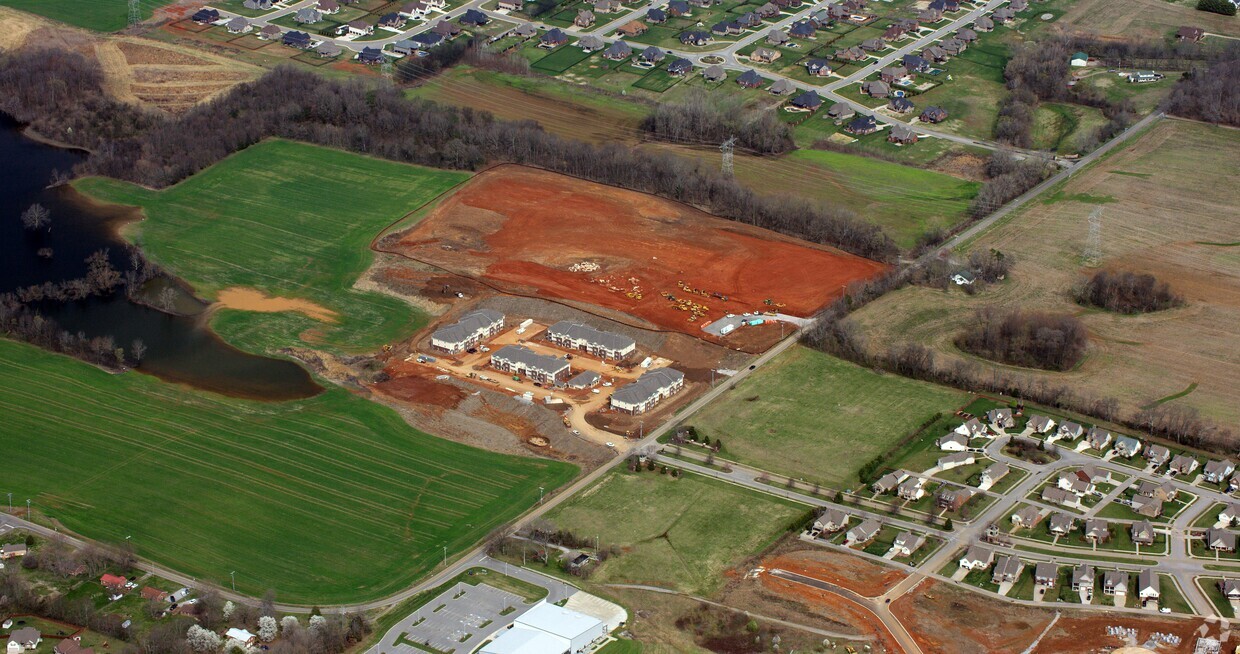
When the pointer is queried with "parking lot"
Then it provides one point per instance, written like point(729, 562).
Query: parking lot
point(460, 619)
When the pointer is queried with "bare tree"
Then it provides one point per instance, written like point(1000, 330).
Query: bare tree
point(138, 349)
point(36, 216)
point(167, 298)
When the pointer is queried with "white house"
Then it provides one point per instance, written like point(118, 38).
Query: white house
point(1026, 517)
point(953, 442)
point(1147, 585)
point(956, 460)
point(831, 520)
point(912, 489)
point(1041, 424)
point(907, 542)
point(864, 532)
point(977, 558)
point(239, 637)
point(1127, 446)
point(973, 428)
point(1216, 472)
point(24, 639)
point(993, 473)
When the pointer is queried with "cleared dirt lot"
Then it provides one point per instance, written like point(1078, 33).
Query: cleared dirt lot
point(524, 229)
point(1169, 209)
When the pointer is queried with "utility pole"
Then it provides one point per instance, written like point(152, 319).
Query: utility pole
point(728, 148)
point(135, 13)
point(27, 510)
point(10, 502)
point(445, 555)
point(233, 574)
point(540, 494)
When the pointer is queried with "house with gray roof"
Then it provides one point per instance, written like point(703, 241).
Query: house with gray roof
point(714, 73)
point(1045, 574)
point(1097, 530)
point(521, 360)
point(864, 532)
point(889, 481)
point(1083, 577)
point(1150, 507)
point(270, 32)
point(1127, 446)
point(1001, 418)
point(618, 51)
point(585, 379)
point(984, 24)
point(973, 428)
point(912, 489)
point(1040, 424)
point(469, 330)
point(577, 336)
point(25, 638)
point(591, 43)
point(1230, 588)
point(952, 442)
point(1098, 439)
point(1216, 472)
point(907, 542)
point(1157, 455)
point(994, 472)
point(1026, 517)
point(955, 460)
point(307, 16)
point(649, 389)
point(1007, 570)
point(238, 25)
point(1060, 497)
point(750, 79)
point(1147, 585)
point(1183, 465)
point(977, 558)
point(842, 110)
point(1143, 532)
point(1061, 524)
point(12, 550)
point(328, 50)
point(1070, 431)
point(831, 520)
point(1114, 582)
point(1220, 539)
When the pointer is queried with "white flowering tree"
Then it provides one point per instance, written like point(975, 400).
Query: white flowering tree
point(229, 609)
point(268, 629)
point(317, 621)
point(203, 640)
point(289, 623)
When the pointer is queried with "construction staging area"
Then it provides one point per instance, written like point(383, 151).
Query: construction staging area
point(526, 231)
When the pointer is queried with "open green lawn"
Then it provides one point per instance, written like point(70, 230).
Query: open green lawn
point(677, 533)
point(1212, 591)
point(331, 499)
point(904, 200)
point(291, 220)
point(100, 15)
point(810, 415)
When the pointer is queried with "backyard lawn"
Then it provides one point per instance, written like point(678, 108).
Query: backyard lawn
point(810, 415)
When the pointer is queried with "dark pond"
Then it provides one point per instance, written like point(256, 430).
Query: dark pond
point(180, 348)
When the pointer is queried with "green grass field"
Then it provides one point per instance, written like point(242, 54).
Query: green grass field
point(810, 415)
point(327, 500)
point(677, 533)
point(99, 15)
point(291, 220)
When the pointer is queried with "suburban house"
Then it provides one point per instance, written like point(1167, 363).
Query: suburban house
point(875, 89)
point(993, 473)
point(607, 6)
point(239, 638)
point(238, 25)
point(632, 28)
point(205, 16)
point(768, 10)
point(1183, 465)
point(576, 336)
point(915, 64)
point(862, 125)
point(1083, 577)
point(872, 45)
point(1045, 574)
point(977, 558)
point(270, 32)
point(1143, 533)
point(750, 79)
point(1070, 431)
point(474, 18)
point(952, 442)
point(153, 594)
point(1157, 455)
point(1095, 475)
point(930, 15)
point(894, 32)
point(1220, 540)
point(764, 55)
point(907, 542)
point(520, 360)
point(1007, 570)
point(935, 53)
point(1098, 439)
point(802, 30)
point(1216, 472)
point(818, 67)
point(831, 520)
point(392, 21)
point(1150, 507)
point(1076, 482)
point(1026, 517)
point(1228, 515)
point(776, 37)
point(750, 20)
point(900, 105)
point(714, 73)
point(590, 43)
point(25, 638)
point(355, 28)
point(1114, 582)
point(652, 55)
point(808, 101)
point(841, 110)
point(935, 115)
point(955, 460)
point(468, 331)
point(953, 47)
point(418, 10)
point(983, 24)
point(1147, 586)
point(864, 532)
point(967, 35)
point(952, 499)
point(370, 56)
point(649, 389)
point(585, 18)
point(680, 67)
point(1060, 497)
point(1190, 34)
point(113, 582)
point(656, 16)
point(784, 87)
point(853, 53)
point(1001, 418)
point(427, 39)
point(72, 646)
point(1127, 446)
point(1164, 491)
point(1230, 588)
point(552, 38)
point(1097, 530)
point(618, 51)
point(727, 28)
point(584, 379)
point(446, 29)
point(912, 489)
point(893, 74)
point(12, 551)
point(1143, 77)
point(696, 38)
point(1001, 16)
point(1061, 524)
point(889, 481)
point(678, 8)
point(1039, 424)
point(258, 5)
point(973, 428)
point(329, 50)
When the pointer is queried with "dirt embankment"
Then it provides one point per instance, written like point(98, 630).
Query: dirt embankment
point(532, 232)
point(249, 299)
point(852, 572)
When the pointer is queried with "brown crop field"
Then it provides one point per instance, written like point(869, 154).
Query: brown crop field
point(1141, 19)
point(1169, 209)
point(523, 230)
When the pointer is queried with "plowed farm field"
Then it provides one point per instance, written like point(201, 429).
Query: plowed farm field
point(529, 231)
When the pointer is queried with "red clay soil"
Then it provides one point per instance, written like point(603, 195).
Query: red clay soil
point(1082, 633)
point(416, 389)
point(851, 572)
point(521, 229)
point(841, 610)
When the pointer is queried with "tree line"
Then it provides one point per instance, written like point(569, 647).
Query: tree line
point(701, 120)
point(289, 103)
point(1127, 292)
point(1212, 93)
point(1032, 339)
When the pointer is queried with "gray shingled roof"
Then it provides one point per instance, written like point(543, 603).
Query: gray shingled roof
point(531, 360)
point(578, 331)
point(647, 386)
point(585, 379)
point(469, 323)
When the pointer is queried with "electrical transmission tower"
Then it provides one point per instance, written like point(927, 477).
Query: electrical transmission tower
point(728, 147)
point(1093, 246)
point(386, 68)
point(135, 12)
